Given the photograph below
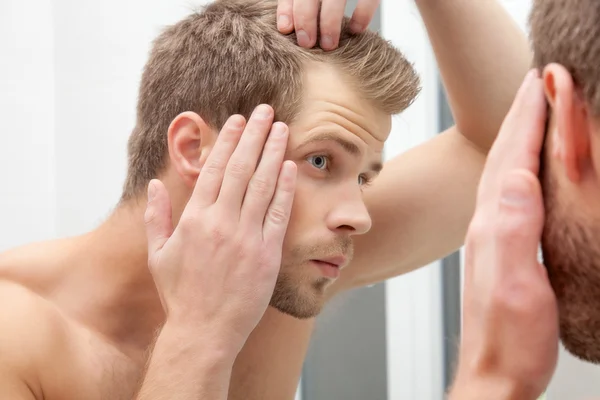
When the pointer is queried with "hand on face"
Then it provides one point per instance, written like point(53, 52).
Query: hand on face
point(510, 320)
point(215, 273)
point(303, 17)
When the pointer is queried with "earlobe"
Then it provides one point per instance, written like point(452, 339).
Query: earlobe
point(570, 136)
point(190, 140)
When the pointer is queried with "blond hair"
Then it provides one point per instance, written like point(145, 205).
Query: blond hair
point(228, 58)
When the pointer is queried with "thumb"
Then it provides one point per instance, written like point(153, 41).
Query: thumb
point(158, 218)
point(520, 222)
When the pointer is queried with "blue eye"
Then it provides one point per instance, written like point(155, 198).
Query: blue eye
point(319, 162)
point(364, 181)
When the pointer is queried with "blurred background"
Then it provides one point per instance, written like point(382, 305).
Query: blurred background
point(68, 85)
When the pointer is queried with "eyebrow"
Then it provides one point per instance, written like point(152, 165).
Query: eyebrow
point(347, 145)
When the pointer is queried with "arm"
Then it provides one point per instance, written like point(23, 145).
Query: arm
point(214, 286)
point(186, 364)
point(483, 57)
point(28, 343)
point(424, 198)
point(11, 387)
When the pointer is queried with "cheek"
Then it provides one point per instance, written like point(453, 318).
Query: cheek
point(307, 208)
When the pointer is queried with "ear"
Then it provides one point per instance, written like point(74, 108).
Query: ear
point(570, 137)
point(190, 141)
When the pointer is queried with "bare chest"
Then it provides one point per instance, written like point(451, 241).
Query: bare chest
point(92, 370)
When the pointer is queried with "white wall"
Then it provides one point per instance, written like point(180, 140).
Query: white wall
point(27, 194)
point(68, 87)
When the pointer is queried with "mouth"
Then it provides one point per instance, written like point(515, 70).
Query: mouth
point(330, 267)
point(335, 261)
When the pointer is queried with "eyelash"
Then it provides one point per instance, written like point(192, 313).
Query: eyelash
point(367, 181)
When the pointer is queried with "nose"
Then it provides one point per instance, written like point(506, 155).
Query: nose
point(350, 216)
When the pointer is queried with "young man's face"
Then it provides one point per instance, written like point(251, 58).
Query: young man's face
point(337, 143)
point(571, 237)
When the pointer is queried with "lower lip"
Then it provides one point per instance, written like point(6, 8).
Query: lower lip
point(328, 270)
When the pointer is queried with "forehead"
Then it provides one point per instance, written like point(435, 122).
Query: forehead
point(330, 101)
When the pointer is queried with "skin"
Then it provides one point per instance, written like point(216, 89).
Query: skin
point(571, 187)
point(509, 344)
point(94, 298)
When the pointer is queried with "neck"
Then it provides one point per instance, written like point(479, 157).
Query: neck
point(110, 280)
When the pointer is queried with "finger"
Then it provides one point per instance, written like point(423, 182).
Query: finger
point(519, 223)
point(285, 16)
point(262, 185)
point(210, 180)
point(157, 218)
point(332, 14)
point(305, 22)
point(363, 15)
point(520, 139)
point(244, 160)
point(523, 131)
point(280, 209)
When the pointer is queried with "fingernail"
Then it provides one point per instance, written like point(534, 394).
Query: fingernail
point(516, 190)
point(237, 121)
point(530, 75)
point(326, 42)
point(279, 129)
point(262, 112)
point(356, 27)
point(283, 22)
point(303, 38)
point(151, 191)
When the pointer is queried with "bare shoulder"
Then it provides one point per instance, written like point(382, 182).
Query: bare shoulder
point(31, 334)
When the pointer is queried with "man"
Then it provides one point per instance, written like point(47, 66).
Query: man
point(509, 345)
point(519, 336)
point(86, 311)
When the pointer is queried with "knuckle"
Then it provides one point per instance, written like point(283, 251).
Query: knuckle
point(189, 224)
point(217, 234)
point(150, 215)
point(213, 167)
point(246, 249)
point(261, 186)
point(478, 228)
point(216, 227)
point(516, 296)
point(510, 228)
point(277, 215)
point(238, 169)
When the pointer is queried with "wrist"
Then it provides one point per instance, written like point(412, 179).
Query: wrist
point(477, 387)
point(201, 343)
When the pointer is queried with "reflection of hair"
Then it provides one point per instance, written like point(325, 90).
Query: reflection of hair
point(229, 58)
point(567, 32)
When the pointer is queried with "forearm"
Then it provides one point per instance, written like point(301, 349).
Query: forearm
point(183, 366)
point(483, 57)
point(490, 388)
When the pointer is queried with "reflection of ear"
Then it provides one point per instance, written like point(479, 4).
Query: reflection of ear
point(190, 141)
point(571, 135)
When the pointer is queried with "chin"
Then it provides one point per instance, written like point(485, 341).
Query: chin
point(303, 300)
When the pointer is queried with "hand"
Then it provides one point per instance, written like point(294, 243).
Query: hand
point(216, 272)
point(303, 17)
point(509, 345)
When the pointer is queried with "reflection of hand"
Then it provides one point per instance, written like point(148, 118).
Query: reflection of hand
point(216, 272)
point(509, 346)
point(302, 16)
